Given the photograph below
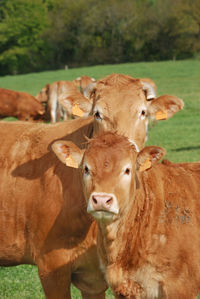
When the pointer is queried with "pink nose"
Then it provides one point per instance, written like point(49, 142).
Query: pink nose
point(102, 202)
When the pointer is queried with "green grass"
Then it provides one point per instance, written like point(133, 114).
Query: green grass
point(23, 282)
point(180, 136)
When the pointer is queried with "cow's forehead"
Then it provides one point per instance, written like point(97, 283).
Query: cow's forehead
point(106, 152)
point(131, 95)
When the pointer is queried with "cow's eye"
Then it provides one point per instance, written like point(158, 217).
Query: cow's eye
point(143, 114)
point(86, 170)
point(97, 115)
point(127, 171)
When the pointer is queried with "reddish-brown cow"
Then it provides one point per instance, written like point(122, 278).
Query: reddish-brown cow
point(147, 215)
point(19, 104)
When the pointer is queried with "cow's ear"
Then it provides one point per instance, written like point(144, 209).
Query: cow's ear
point(77, 106)
point(149, 156)
point(68, 153)
point(164, 107)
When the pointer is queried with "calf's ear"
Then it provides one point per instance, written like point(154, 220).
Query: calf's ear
point(68, 153)
point(149, 156)
point(164, 107)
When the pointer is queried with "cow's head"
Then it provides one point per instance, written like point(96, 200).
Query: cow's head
point(83, 81)
point(109, 167)
point(123, 104)
point(43, 95)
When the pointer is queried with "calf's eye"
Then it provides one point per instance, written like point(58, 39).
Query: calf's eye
point(127, 171)
point(97, 115)
point(143, 112)
point(86, 170)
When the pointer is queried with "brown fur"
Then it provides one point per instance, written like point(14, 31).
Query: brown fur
point(151, 248)
point(43, 220)
point(19, 104)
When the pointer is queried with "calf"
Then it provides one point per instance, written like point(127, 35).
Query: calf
point(147, 215)
point(19, 104)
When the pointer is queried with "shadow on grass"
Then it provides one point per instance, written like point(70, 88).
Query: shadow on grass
point(188, 148)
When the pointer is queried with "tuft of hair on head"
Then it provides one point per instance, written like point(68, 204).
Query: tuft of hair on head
point(110, 139)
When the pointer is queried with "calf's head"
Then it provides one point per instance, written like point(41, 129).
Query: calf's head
point(108, 168)
point(124, 105)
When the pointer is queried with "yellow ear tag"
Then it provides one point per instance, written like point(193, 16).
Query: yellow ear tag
point(145, 165)
point(71, 162)
point(77, 111)
point(161, 115)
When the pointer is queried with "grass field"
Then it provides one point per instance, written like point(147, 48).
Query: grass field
point(180, 136)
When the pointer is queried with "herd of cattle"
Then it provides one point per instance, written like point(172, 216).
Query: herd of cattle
point(87, 202)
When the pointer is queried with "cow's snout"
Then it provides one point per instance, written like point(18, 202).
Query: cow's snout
point(103, 202)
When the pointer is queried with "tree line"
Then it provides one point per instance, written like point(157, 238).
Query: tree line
point(50, 34)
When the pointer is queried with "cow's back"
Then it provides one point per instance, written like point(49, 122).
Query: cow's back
point(32, 185)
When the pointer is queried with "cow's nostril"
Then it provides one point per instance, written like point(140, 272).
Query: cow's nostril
point(94, 199)
point(109, 201)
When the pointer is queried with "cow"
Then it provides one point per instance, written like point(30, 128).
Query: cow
point(19, 104)
point(118, 100)
point(147, 215)
point(51, 93)
point(43, 217)
point(83, 81)
point(43, 221)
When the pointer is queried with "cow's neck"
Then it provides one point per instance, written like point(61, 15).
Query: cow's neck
point(117, 240)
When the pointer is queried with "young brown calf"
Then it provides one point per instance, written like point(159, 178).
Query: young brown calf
point(147, 214)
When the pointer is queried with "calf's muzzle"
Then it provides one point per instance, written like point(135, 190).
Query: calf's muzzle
point(102, 202)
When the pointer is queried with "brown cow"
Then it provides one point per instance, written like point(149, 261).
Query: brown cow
point(19, 104)
point(40, 223)
point(51, 93)
point(147, 215)
point(43, 220)
point(119, 100)
point(83, 81)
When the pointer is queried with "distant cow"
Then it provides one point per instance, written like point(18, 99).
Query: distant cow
point(147, 215)
point(19, 104)
point(43, 217)
point(83, 81)
point(51, 93)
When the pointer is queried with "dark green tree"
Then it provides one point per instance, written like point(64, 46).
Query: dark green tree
point(21, 42)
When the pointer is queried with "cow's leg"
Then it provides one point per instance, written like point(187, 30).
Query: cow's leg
point(56, 283)
point(89, 296)
point(53, 113)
